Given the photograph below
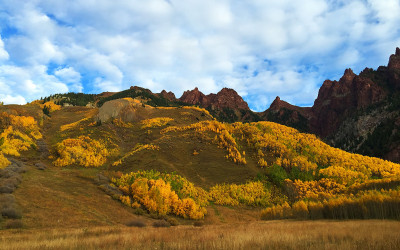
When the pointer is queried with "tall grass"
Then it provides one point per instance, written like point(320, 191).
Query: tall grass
point(370, 234)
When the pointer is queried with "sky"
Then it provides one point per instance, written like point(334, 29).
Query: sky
point(260, 48)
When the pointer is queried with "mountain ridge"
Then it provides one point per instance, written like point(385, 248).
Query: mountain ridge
point(334, 112)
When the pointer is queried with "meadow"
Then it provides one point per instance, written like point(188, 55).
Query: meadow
point(286, 234)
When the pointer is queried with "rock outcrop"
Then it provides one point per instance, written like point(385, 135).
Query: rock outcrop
point(338, 99)
point(195, 97)
point(353, 112)
point(168, 95)
point(126, 109)
point(226, 98)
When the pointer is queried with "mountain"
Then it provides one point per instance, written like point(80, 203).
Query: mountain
point(358, 113)
point(227, 105)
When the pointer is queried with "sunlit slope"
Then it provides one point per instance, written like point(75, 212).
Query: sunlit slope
point(179, 139)
point(279, 164)
point(258, 165)
point(144, 144)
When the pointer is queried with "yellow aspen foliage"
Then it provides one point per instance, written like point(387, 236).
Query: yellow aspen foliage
point(156, 196)
point(125, 200)
point(286, 211)
point(73, 125)
point(251, 193)
point(120, 123)
point(155, 122)
point(139, 147)
point(17, 133)
point(321, 189)
point(164, 193)
point(342, 175)
point(51, 106)
point(4, 162)
point(300, 210)
point(295, 152)
point(371, 204)
point(82, 151)
point(315, 210)
point(262, 163)
point(223, 137)
point(205, 111)
point(268, 214)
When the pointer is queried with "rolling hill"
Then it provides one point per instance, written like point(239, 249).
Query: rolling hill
point(83, 166)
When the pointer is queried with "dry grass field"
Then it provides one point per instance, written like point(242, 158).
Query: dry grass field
point(369, 234)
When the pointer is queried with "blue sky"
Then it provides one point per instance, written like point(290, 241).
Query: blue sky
point(261, 48)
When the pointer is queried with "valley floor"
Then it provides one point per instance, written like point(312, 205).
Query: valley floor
point(367, 234)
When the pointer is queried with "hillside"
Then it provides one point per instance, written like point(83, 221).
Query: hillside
point(85, 166)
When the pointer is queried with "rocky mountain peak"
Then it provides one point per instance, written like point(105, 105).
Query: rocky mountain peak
point(277, 104)
point(194, 97)
point(394, 60)
point(168, 95)
point(348, 76)
point(228, 98)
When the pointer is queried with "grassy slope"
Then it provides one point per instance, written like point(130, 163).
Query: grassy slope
point(68, 197)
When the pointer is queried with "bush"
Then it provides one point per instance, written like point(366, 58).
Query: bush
point(13, 224)
point(6, 200)
point(135, 223)
point(161, 223)
point(277, 174)
point(11, 213)
point(139, 211)
point(5, 189)
point(173, 221)
point(198, 223)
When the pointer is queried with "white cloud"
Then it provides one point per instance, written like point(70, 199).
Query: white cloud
point(3, 53)
point(260, 48)
point(8, 99)
point(31, 83)
point(71, 77)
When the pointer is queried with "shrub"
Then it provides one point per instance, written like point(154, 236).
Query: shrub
point(6, 200)
point(173, 221)
point(11, 213)
point(300, 210)
point(139, 211)
point(4, 162)
point(198, 223)
point(136, 223)
point(156, 122)
point(161, 223)
point(14, 224)
point(6, 189)
point(82, 151)
point(162, 194)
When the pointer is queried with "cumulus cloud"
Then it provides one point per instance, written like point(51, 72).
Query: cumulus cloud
point(71, 77)
point(3, 52)
point(260, 48)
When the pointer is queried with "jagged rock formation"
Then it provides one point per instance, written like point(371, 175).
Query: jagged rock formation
point(168, 95)
point(227, 105)
point(284, 113)
point(358, 113)
point(338, 99)
point(226, 98)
